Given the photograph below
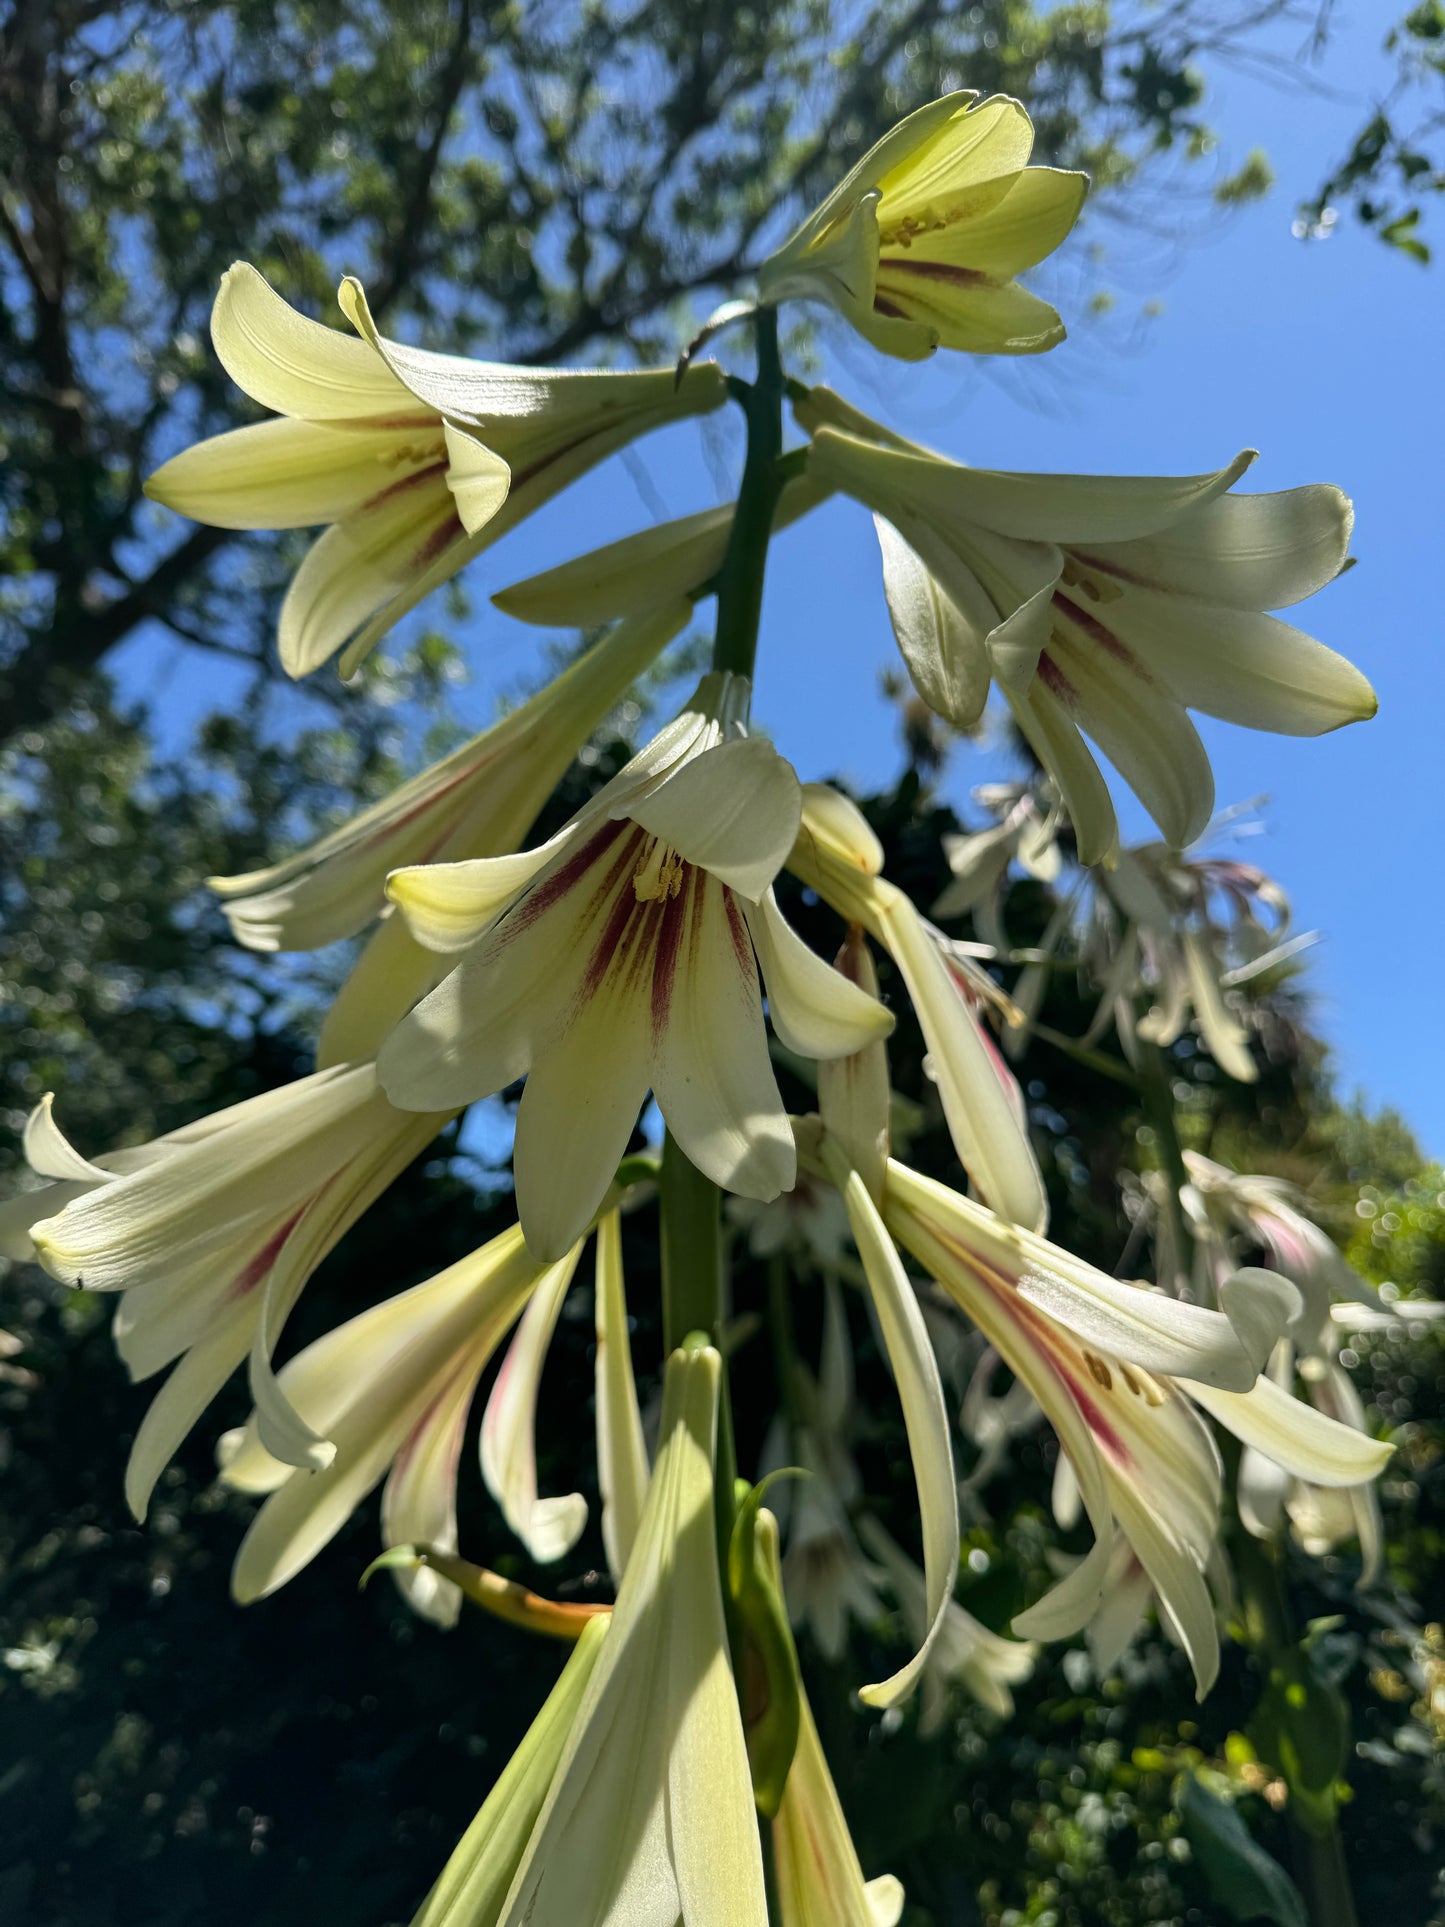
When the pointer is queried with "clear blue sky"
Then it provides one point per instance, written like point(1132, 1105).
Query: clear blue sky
point(1325, 357)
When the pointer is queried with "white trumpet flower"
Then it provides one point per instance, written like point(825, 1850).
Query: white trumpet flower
point(1118, 1372)
point(649, 1818)
point(418, 461)
point(479, 801)
point(473, 1884)
point(390, 1389)
point(619, 957)
point(1107, 604)
point(918, 246)
point(820, 1883)
point(837, 855)
point(210, 1236)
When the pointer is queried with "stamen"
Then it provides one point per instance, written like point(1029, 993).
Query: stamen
point(1099, 1371)
point(659, 875)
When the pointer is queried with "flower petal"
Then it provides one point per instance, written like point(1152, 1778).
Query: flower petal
point(965, 311)
point(383, 557)
point(1244, 551)
point(1248, 669)
point(1110, 694)
point(814, 1008)
point(282, 474)
point(577, 1113)
point(711, 1072)
point(548, 1528)
point(1162, 1334)
point(295, 366)
point(1033, 218)
point(925, 1415)
point(1067, 758)
point(477, 476)
point(622, 1470)
point(947, 662)
point(1296, 1436)
point(733, 811)
point(419, 1499)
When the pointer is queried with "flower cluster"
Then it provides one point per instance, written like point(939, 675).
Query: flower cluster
point(642, 953)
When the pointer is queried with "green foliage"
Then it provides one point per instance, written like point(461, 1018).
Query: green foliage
point(1397, 160)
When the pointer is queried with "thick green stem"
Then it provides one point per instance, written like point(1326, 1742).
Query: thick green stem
point(1318, 1852)
point(1154, 1088)
point(740, 583)
point(691, 1213)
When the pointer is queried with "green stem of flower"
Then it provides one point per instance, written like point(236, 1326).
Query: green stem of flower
point(1154, 1088)
point(740, 583)
point(1318, 1852)
point(691, 1211)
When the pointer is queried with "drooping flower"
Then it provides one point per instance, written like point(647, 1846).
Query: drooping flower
point(918, 246)
point(391, 1390)
point(210, 1235)
point(1233, 1211)
point(619, 957)
point(1107, 604)
point(837, 855)
point(649, 1813)
point(985, 1664)
point(979, 860)
point(1119, 1372)
point(417, 461)
point(820, 1883)
point(473, 1885)
point(479, 801)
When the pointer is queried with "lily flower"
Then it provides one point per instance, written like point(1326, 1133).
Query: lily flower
point(979, 860)
point(1120, 1373)
point(837, 855)
point(820, 1883)
point(479, 801)
point(673, 1837)
point(985, 1664)
point(620, 956)
point(918, 245)
point(210, 1235)
point(1231, 1210)
point(1107, 604)
point(417, 461)
point(391, 1390)
point(473, 1884)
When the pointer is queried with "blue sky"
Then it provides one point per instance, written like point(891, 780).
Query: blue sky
point(1324, 356)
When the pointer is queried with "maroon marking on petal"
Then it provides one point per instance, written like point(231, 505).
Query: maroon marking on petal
point(936, 271)
point(438, 542)
point(738, 931)
point(609, 947)
point(549, 890)
point(256, 1269)
point(385, 831)
point(403, 485)
point(371, 424)
point(1096, 632)
point(1116, 569)
point(1048, 1342)
point(890, 309)
point(1056, 682)
point(677, 913)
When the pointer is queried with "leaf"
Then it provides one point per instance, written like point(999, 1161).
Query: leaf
point(1240, 1874)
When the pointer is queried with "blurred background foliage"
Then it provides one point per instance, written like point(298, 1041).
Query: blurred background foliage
point(543, 182)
